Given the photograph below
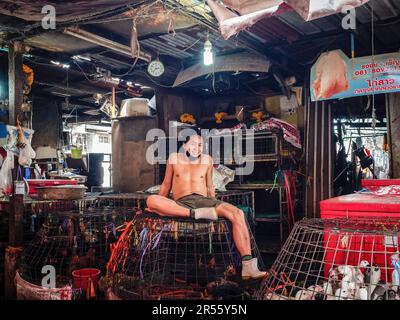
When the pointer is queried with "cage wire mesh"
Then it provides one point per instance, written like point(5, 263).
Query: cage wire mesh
point(36, 211)
point(123, 200)
point(242, 199)
point(177, 258)
point(72, 240)
point(337, 259)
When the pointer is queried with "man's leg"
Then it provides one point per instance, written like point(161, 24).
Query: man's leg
point(166, 207)
point(241, 235)
point(241, 238)
point(169, 208)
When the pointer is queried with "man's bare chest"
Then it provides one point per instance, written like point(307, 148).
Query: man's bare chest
point(190, 171)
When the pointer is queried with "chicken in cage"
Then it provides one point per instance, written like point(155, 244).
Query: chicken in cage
point(337, 259)
point(177, 258)
point(71, 241)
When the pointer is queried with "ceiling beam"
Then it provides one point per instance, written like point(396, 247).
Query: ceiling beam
point(244, 39)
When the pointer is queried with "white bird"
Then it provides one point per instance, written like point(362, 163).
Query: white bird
point(351, 278)
point(343, 294)
point(304, 295)
point(362, 293)
point(372, 275)
point(327, 288)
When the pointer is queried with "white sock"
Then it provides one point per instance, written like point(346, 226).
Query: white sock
point(206, 213)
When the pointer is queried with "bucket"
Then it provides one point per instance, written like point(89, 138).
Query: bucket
point(76, 153)
point(86, 279)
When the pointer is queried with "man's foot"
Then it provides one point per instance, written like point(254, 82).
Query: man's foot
point(206, 213)
point(250, 270)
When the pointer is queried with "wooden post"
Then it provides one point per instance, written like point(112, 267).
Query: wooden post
point(16, 210)
point(15, 232)
point(11, 264)
point(15, 81)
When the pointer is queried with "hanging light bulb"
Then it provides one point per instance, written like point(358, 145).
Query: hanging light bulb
point(208, 54)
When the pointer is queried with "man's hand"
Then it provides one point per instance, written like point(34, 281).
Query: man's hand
point(165, 187)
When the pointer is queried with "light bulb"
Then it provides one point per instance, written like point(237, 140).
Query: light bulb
point(208, 54)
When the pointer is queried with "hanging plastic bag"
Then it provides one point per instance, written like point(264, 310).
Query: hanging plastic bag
point(26, 154)
point(222, 175)
point(6, 181)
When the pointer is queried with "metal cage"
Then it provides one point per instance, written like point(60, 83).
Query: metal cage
point(337, 259)
point(175, 258)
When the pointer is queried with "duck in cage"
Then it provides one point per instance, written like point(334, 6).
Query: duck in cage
point(70, 244)
point(337, 259)
point(177, 258)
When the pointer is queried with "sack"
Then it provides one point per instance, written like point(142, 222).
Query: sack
point(26, 154)
point(6, 181)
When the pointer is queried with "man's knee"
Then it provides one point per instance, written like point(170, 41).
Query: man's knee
point(152, 202)
point(235, 215)
point(239, 215)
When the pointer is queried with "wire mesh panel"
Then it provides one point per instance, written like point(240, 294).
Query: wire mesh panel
point(337, 259)
point(170, 258)
point(71, 240)
point(36, 212)
point(123, 200)
point(244, 200)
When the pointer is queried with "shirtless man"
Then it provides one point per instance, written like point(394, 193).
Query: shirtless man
point(189, 175)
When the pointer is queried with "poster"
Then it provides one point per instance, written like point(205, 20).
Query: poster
point(336, 76)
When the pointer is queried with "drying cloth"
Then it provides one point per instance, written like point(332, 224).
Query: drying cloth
point(290, 132)
point(388, 191)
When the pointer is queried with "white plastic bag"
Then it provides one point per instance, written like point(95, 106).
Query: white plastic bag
point(6, 181)
point(222, 175)
point(26, 154)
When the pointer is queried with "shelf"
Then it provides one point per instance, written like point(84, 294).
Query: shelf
point(269, 217)
point(272, 220)
point(268, 245)
point(228, 162)
point(253, 186)
point(270, 250)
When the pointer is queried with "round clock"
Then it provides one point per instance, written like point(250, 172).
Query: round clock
point(156, 68)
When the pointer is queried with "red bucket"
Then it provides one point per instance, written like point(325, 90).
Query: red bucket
point(86, 279)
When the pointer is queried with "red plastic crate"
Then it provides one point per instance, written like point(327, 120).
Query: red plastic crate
point(374, 184)
point(35, 183)
point(361, 246)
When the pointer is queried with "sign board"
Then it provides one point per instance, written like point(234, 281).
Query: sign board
point(335, 76)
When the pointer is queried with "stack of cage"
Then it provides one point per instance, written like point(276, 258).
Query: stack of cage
point(337, 259)
point(36, 211)
point(135, 200)
point(69, 241)
point(177, 258)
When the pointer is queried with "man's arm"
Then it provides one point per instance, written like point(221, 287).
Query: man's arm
point(165, 187)
point(209, 181)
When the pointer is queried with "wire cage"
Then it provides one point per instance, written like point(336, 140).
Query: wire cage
point(177, 258)
point(36, 211)
point(227, 148)
point(244, 200)
point(123, 200)
point(70, 241)
point(337, 259)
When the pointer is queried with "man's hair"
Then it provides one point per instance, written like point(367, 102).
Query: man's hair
point(189, 133)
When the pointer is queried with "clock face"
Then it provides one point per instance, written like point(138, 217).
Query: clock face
point(156, 68)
